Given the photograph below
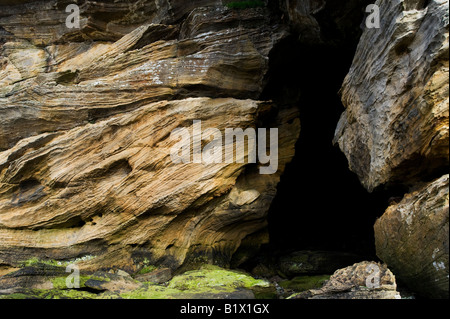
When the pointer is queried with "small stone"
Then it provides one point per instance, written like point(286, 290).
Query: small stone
point(395, 127)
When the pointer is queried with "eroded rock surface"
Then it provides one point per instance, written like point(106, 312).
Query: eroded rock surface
point(86, 116)
point(352, 283)
point(113, 183)
point(85, 125)
point(395, 127)
point(395, 132)
point(412, 238)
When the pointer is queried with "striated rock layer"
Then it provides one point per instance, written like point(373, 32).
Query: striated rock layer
point(395, 127)
point(60, 85)
point(85, 122)
point(412, 238)
point(114, 183)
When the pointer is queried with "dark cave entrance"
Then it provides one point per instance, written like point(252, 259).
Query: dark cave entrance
point(320, 204)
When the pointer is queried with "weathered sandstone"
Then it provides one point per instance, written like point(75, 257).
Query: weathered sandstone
point(412, 238)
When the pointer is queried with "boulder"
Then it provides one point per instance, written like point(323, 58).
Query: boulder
point(365, 280)
point(395, 126)
point(412, 238)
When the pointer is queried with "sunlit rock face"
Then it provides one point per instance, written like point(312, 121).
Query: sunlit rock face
point(86, 122)
point(65, 81)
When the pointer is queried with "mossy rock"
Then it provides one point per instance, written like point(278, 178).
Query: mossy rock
point(161, 292)
point(60, 282)
point(35, 261)
point(50, 294)
point(146, 270)
point(151, 292)
point(209, 282)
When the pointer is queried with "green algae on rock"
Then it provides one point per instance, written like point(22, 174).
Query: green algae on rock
point(210, 276)
point(209, 282)
point(213, 276)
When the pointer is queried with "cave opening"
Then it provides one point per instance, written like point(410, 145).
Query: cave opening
point(320, 204)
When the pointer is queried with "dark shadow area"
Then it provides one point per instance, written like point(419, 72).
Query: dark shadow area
point(320, 204)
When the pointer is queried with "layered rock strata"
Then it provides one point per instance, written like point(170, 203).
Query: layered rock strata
point(86, 122)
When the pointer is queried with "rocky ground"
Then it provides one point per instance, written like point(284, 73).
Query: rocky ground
point(36, 279)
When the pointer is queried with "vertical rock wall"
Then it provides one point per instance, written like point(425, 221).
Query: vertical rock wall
point(395, 131)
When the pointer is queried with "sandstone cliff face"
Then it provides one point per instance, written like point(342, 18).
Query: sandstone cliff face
point(86, 123)
point(63, 83)
point(395, 127)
